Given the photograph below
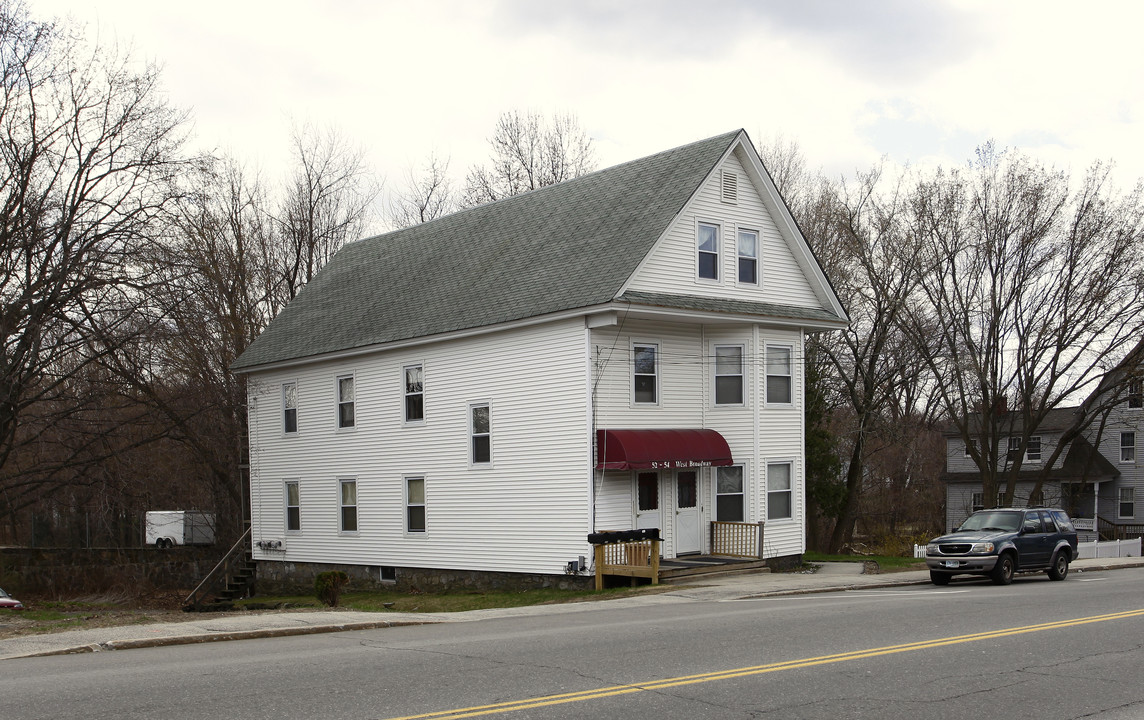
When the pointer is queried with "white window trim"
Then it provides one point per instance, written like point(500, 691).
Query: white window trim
point(405, 503)
point(405, 395)
point(286, 432)
point(1040, 452)
point(767, 375)
point(1132, 447)
point(469, 438)
point(767, 490)
point(746, 487)
point(743, 364)
point(286, 505)
point(338, 402)
point(758, 261)
point(356, 506)
point(658, 373)
point(1120, 501)
point(720, 242)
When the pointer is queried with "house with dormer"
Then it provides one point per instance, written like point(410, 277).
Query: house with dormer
point(1098, 478)
point(477, 394)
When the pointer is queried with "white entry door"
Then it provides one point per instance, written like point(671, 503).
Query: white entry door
point(687, 530)
point(647, 501)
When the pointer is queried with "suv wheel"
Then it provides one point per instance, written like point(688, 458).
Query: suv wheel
point(1002, 573)
point(1060, 567)
point(940, 578)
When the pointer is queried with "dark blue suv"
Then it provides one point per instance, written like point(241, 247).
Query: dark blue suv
point(1003, 541)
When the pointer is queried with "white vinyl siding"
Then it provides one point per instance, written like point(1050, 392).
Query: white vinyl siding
point(476, 519)
point(672, 266)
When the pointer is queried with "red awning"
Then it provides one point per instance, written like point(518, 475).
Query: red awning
point(650, 449)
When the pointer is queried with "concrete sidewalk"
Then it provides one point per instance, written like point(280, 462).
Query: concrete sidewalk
point(214, 627)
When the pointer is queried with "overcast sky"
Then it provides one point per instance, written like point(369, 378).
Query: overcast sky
point(850, 82)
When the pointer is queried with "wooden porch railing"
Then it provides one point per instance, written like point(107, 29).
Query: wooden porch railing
point(627, 553)
point(1110, 530)
point(737, 539)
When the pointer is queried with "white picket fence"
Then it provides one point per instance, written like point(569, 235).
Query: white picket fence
point(1109, 549)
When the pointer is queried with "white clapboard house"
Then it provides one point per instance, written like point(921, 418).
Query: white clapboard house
point(476, 394)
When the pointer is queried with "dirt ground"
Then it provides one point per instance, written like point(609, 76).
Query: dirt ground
point(44, 615)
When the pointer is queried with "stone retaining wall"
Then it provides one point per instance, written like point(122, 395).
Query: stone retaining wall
point(297, 578)
point(70, 572)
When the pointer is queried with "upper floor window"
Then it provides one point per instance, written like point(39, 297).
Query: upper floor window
point(415, 504)
point(348, 520)
point(1136, 394)
point(729, 502)
point(414, 394)
point(1126, 507)
point(779, 378)
point(290, 407)
point(708, 243)
point(1127, 447)
point(645, 373)
point(346, 401)
point(293, 507)
point(480, 433)
point(779, 492)
point(728, 374)
point(748, 257)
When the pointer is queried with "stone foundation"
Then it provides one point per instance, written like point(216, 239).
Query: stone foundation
point(291, 578)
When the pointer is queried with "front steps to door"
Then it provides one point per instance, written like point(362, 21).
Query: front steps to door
point(690, 568)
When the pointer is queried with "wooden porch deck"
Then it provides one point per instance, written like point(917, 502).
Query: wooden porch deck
point(694, 567)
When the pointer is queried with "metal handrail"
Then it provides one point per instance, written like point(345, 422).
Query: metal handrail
point(193, 599)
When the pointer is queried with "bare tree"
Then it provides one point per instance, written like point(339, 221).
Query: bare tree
point(326, 204)
point(90, 157)
point(529, 152)
point(427, 195)
point(1030, 296)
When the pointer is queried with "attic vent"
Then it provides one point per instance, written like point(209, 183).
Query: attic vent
point(729, 187)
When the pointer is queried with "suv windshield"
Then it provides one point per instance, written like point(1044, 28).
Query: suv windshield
point(992, 520)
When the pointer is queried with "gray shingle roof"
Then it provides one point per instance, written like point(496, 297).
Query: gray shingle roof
point(729, 306)
point(559, 248)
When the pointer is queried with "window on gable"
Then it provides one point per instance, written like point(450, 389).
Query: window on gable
point(414, 394)
point(290, 407)
point(348, 520)
point(1136, 394)
point(645, 373)
point(1126, 507)
point(728, 375)
point(729, 503)
point(748, 257)
point(415, 504)
point(293, 507)
point(346, 401)
point(708, 251)
point(779, 492)
point(1127, 447)
point(779, 380)
point(480, 433)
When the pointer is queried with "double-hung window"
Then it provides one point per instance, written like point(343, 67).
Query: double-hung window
point(1032, 452)
point(728, 374)
point(480, 434)
point(645, 374)
point(1136, 394)
point(347, 494)
point(708, 248)
point(779, 492)
point(1126, 508)
point(293, 507)
point(780, 383)
point(729, 498)
point(1127, 447)
point(748, 257)
point(415, 504)
point(346, 401)
point(414, 394)
point(290, 407)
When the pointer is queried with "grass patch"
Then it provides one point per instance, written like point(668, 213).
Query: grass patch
point(886, 562)
point(392, 601)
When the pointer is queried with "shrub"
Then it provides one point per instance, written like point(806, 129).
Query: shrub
point(328, 586)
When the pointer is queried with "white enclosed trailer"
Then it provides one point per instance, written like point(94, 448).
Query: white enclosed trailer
point(168, 528)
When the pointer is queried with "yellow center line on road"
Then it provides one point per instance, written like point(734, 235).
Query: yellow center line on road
point(615, 690)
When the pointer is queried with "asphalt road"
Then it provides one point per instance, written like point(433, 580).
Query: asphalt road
point(1036, 649)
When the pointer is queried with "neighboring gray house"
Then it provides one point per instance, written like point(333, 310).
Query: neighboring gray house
point(1101, 484)
point(479, 393)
